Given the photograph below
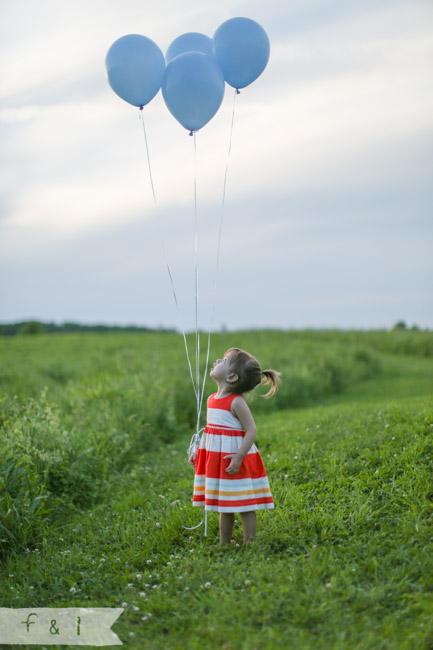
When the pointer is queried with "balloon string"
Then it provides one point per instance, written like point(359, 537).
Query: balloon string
point(148, 156)
point(219, 243)
point(200, 401)
point(197, 333)
point(196, 388)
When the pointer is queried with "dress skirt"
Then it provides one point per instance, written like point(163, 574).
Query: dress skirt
point(217, 491)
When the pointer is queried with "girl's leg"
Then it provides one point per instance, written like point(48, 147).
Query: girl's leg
point(227, 521)
point(249, 524)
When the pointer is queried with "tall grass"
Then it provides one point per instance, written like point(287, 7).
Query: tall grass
point(77, 409)
point(398, 341)
point(95, 492)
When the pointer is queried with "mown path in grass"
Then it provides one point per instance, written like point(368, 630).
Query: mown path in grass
point(344, 560)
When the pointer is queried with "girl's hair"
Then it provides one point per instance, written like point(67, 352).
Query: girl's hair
point(249, 372)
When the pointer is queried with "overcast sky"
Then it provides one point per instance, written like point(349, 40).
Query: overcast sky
point(328, 213)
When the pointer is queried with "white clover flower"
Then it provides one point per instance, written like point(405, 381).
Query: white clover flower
point(72, 590)
point(158, 525)
point(124, 604)
point(186, 588)
point(129, 585)
point(146, 586)
point(328, 584)
point(142, 594)
point(131, 633)
point(207, 584)
point(138, 576)
point(247, 582)
point(135, 608)
point(148, 561)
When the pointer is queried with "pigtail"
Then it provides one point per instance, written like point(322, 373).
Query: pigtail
point(271, 377)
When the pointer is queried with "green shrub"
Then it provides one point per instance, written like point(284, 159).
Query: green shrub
point(31, 328)
point(23, 502)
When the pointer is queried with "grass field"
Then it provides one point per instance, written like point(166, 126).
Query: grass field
point(96, 489)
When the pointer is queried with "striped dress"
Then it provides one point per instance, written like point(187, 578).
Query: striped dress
point(216, 490)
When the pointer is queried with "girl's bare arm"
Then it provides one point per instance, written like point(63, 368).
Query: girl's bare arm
point(241, 410)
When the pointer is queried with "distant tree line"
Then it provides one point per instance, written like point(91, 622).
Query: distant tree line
point(33, 327)
point(401, 325)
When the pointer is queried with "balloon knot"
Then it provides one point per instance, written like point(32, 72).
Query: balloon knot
point(238, 92)
point(191, 133)
point(141, 108)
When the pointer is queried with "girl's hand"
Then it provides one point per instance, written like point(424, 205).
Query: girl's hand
point(192, 459)
point(236, 462)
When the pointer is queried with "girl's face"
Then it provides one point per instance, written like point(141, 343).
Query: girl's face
point(221, 369)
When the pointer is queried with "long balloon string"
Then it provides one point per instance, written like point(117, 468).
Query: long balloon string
point(196, 384)
point(197, 333)
point(219, 243)
point(195, 387)
point(199, 407)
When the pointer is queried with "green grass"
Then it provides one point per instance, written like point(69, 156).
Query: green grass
point(344, 560)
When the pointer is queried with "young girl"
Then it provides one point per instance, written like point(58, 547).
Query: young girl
point(229, 473)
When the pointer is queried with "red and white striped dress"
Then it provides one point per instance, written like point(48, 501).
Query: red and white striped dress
point(216, 490)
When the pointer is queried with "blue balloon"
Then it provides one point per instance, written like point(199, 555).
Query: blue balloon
point(190, 42)
point(134, 65)
point(193, 89)
point(241, 48)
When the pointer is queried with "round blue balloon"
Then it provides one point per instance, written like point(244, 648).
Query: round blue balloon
point(193, 89)
point(241, 47)
point(134, 65)
point(190, 42)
